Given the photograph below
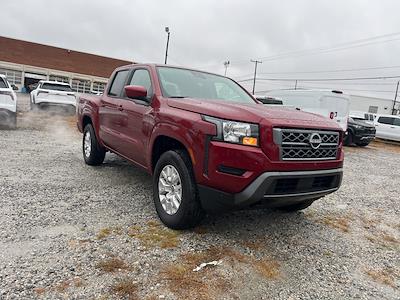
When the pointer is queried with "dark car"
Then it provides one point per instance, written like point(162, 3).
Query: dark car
point(359, 132)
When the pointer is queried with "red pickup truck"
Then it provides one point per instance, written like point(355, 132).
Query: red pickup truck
point(209, 145)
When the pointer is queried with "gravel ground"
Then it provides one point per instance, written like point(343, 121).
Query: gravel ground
point(70, 231)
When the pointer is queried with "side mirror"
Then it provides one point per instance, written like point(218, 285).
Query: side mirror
point(14, 87)
point(136, 92)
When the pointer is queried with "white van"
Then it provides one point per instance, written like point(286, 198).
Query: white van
point(330, 104)
point(388, 127)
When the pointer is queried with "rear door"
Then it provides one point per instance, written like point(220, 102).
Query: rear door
point(110, 122)
point(336, 108)
point(384, 127)
point(7, 100)
point(137, 118)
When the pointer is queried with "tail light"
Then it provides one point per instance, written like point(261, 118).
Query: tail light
point(8, 93)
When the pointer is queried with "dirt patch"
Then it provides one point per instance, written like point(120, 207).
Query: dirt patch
point(105, 232)
point(155, 235)
point(385, 145)
point(112, 265)
point(336, 222)
point(386, 276)
point(212, 282)
point(125, 288)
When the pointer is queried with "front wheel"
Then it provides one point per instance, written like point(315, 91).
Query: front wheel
point(93, 152)
point(175, 191)
point(348, 141)
point(362, 144)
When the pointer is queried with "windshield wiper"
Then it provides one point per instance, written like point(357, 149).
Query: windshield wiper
point(179, 97)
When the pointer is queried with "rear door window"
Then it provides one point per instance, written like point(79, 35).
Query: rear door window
point(396, 122)
point(386, 120)
point(3, 84)
point(118, 83)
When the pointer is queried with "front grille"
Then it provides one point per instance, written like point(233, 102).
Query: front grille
point(306, 144)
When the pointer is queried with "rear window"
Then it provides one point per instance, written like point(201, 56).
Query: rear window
point(56, 87)
point(386, 120)
point(118, 83)
point(3, 84)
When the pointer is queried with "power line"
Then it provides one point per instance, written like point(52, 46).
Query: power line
point(337, 47)
point(322, 79)
point(323, 71)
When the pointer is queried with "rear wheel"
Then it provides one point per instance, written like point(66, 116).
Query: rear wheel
point(297, 206)
point(175, 191)
point(93, 152)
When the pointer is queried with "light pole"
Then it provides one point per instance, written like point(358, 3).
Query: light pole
point(395, 98)
point(255, 72)
point(166, 49)
point(226, 64)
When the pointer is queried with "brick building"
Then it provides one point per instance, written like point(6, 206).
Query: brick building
point(25, 63)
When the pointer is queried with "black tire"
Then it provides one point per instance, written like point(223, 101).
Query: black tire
point(297, 206)
point(348, 141)
point(190, 212)
point(363, 144)
point(97, 153)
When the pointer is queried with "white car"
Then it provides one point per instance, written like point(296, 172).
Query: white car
point(53, 92)
point(388, 127)
point(331, 104)
point(8, 103)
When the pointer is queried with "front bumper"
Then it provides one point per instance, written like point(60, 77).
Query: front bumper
point(274, 189)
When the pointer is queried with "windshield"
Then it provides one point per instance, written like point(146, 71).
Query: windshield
point(3, 84)
point(183, 83)
point(56, 87)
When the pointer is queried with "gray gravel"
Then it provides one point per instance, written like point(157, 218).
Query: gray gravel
point(62, 223)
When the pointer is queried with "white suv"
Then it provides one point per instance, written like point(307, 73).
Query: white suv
point(53, 92)
point(8, 103)
point(388, 127)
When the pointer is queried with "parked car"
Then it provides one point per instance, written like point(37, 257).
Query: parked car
point(209, 144)
point(53, 92)
point(365, 116)
point(388, 127)
point(8, 103)
point(359, 132)
point(331, 104)
point(268, 100)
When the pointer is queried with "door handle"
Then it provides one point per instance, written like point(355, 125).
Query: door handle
point(392, 127)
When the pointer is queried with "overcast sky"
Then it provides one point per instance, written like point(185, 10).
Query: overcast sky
point(206, 33)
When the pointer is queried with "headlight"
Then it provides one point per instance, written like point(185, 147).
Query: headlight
point(235, 132)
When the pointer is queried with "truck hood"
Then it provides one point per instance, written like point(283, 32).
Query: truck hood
point(254, 113)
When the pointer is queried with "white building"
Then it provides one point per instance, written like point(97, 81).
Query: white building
point(373, 105)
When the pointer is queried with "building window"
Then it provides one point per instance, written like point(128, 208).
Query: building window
point(14, 77)
point(98, 87)
point(80, 85)
point(59, 78)
point(373, 109)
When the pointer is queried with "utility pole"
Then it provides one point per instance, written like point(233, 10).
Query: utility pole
point(166, 49)
point(395, 97)
point(226, 64)
point(295, 85)
point(256, 62)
